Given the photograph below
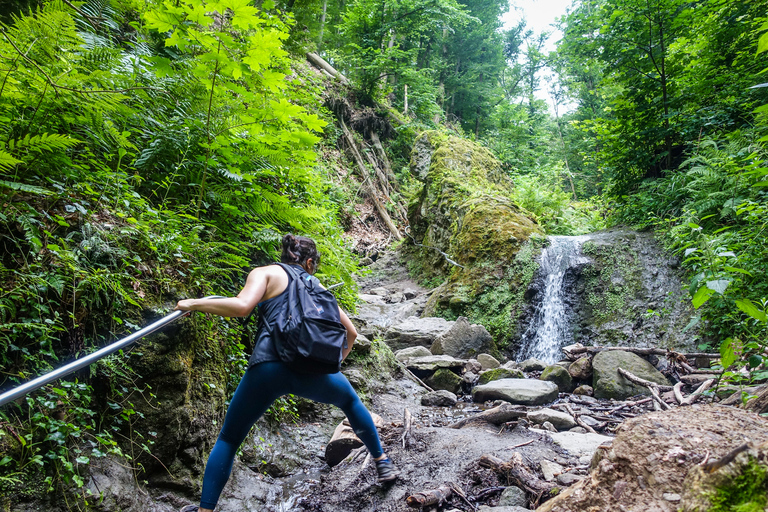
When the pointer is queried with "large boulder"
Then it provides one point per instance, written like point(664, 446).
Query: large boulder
point(559, 376)
point(463, 340)
point(561, 420)
point(656, 459)
point(608, 383)
point(581, 369)
point(517, 391)
point(405, 354)
point(426, 366)
point(416, 331)
point(444, 379)
point(499, 373)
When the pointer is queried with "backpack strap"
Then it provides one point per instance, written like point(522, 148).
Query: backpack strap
point(298, 274)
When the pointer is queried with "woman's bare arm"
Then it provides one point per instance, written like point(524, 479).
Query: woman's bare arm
point(240, 306)
point(351, 333)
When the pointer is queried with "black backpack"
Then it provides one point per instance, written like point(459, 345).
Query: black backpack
point(308, 333)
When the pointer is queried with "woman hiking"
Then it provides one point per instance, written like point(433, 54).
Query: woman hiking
point(268, 378)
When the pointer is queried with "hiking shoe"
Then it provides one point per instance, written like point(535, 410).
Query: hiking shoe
point(386, 470)
point(190, 508)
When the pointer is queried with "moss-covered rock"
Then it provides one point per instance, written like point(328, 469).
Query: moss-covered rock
point(444, 379)
point(607, 381)
point(559, 376)
point(499, 373)
point(463, 209)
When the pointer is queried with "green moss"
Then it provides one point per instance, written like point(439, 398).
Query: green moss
point(745, 493)
point(612, 281)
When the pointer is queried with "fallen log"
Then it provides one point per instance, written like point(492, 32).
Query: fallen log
point(642, 382)
point(431, 497)
point(574, 352)
point(498, 415)
point(699, 391)
point(322, 64)
point(517, 473)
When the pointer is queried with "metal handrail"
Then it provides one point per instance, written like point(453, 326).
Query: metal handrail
point(10, 396)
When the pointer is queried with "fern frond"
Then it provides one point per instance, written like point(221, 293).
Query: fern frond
point(7, 161)
point(23, 187)
point(44, 142)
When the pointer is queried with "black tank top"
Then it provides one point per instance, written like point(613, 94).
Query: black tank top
point(264, 348)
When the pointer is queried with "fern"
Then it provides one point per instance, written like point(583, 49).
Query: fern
point(7, 161)
point(23, 187)
point(44, 142)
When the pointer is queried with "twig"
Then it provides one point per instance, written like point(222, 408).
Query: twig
point(407, 421)
point(461, 495)
point(642, 382)
point(410, 374)
point(678, 393)
point(629, 404)
point(578, 420)
point(696, 394)
point(520, 444)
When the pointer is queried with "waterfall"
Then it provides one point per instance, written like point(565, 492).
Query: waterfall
point(549, 329)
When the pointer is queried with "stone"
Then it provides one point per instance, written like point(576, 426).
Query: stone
point(488, 362)
point(486, 508)
point(356, 378)
point(439, 398)
point(559, 376)
point(405, 354)
point(550, 469)
point(589, 420)
point(578, 430)
point(517, 391)
point(532, 365)
point(548, 427)
point(510, 365)
point(512, 497)
point(568, 479)
point(473, 365)
point(381, 292)
point(609, 384)
point(463, 340)
point(426, 366)
point(410, 293)
point(584, 390)
point(395, 298)
point(445, 379)
point(415, 331)
point(561, 420)
point(577, 445)
point(469, 378)
point(362, 345)
point(581, 369)
point(371, 299)
point(499, 373)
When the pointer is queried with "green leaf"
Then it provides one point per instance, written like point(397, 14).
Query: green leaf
point(702, 295)
point(82, 460)
point(727, 354)
point(761, 183)
point(762, 43)
point(749, 308)
point(694, 321)
point(754, 360)
point(718, 285)
point(739, 270)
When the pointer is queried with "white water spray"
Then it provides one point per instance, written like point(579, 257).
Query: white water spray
point(549, 330)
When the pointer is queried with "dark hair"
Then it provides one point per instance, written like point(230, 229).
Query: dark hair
point(298, 249)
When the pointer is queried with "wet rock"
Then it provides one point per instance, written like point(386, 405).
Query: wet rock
point(532, 365)
point(499, 373)
point(444, 379)
point(589, 420)
point(473, 365)
point(658, 454)
point(425, 366)
point(410, 293)
point(405, 354)
point(559, 376)
point(550, 470)
point(513, 497)
point(511, 365)
point(609, 384)
point(584, 390)
point(415, 331)
point(395, 298)
point(581, 369)
point(488, 362)
point(439, 398)
point(578, 430)
point(548, 427)
point(381, 292)
point(371, 299)
point(561, 420)
point(517, 391)
point(463, 340)
point(469, 378)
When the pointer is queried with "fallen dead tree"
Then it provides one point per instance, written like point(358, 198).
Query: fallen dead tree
point(431, 497)
point(498, 415)
point(517, 473)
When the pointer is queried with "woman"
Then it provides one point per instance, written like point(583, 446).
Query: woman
point(268, 378)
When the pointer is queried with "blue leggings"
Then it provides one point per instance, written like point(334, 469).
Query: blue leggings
point(261, 385)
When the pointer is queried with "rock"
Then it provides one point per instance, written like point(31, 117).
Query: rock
point(512, 497)
point(577, 444)
point(371, 299)
point(609, 384)
point(410, 293)
point(532, 365)
point(415, 331)
point(499, 373)
point(695, 379)
point(488, 362)
point(550, 469)
point(517, 391)
point(568, 479)
point(463, 340)
point(578, 430)
point(559, 376)
point(404, 354)
point(381, 292)
point(510, 365)
point(356, 378)
point(548, 427)
point(439, 398)
point(364, 262)
point(395, 298)
point(589, 420)
point(473, 365)
point(655, 459)
point(469, 378)
point(444, 379)
point(486, 508)
point(581, 369)
point(584, 390)
point(425, 366)
point(561, 420)
point(362, 345)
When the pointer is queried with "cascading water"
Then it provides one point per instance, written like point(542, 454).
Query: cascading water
point(549, 330)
